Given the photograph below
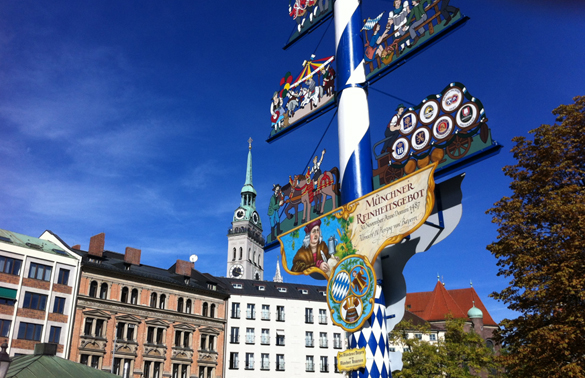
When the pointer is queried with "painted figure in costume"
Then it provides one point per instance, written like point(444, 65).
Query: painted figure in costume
point(447, 11)
point(420, 17)
point(393, 129)
point(328, 80)
point(374, 48)
point(313, 252)
point(276, 111)
point(315, 171)
point(358, 282)
point(276, 201)
point(398, 17)
point(351, 306)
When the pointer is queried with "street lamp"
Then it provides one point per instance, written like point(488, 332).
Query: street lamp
point(4, 360)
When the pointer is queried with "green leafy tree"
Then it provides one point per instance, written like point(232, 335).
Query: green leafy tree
point(460, 354)
point(541, 248)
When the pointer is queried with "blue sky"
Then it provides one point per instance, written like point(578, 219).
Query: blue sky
point(132, 118)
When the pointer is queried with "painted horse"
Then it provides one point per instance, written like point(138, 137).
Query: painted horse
point(327, 185)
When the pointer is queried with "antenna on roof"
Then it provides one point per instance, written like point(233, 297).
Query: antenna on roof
point(193, 259)
point(470, 283)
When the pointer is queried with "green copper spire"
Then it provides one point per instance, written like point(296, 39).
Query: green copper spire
point(248, 186)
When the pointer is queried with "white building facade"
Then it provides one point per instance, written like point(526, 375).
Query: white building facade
point(281, 329)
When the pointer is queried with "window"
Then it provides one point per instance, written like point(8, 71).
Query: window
point(265, 312)
point(99, 327)
point(180, 371)
point(324, 364)
point(280, 313)
point(323, 339)
point(40, 272)
point(418, 336)
point(392, 349)
point(234, 360)
point(304, 291)
point(154, 335)
point(337, 340)
point(188, 306)
point(309, 339)
point(249, 335)
point(124, 295)
point(55, 334)
point(134, 296)
point(261, 288)
point(93, 289)
point(265, 362)
point(433, 337)
point(130, 332)
point(235, 310)
point(35, 301)
point(180, 305)
point(251, 312)
point(280, 362)
point(59, 305)
point(5, 327)
point(237, 286)
point(104, 291)
point(153, 298)
point(234, 254)
point(309, 364)
point(120, 331)
point(89, 360)
point(281, 289)
point(211, 343)
point(249, 361)
point(88, 326)
point(63, 278)
point(235, 335)
point(163, 301)
point(265, 337)
point(205, 309)
point(122, 367)
point(322, 316)
point(29, 331)
point(308, 315)
point(212, 311)
point(10, 266)
point(280, 338)
point(335, 368)
point(8, 302)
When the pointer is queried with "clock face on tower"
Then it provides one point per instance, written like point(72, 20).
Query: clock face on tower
point(236, 271)
point(240, 214)
point(255, 217)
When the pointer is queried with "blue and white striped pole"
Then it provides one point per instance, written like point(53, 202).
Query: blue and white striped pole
point(356, 165)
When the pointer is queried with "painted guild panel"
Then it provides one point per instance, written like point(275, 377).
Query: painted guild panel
point(300, 99)
point(446, 128)
point(405, 29)
point(307, 15)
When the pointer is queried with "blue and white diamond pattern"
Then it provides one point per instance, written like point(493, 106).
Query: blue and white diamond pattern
point(340, 286)
point(374, 337)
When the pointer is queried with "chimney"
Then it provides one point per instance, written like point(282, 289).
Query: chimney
point(96, 245)
point(183, 268)
point(76, 246)
point(132, 256)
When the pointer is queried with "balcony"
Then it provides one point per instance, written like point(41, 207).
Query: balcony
point(236, 314)
point(265, 340)
point(249, 365)
point(322, 319)
point(250, 339)
point(251, 314)
point(337, 343)
point(324, 368)
point(280, 317)
point(310, 366)
point(308, 318)
point(234, 364)
point(234, 339)
point(280, 366)
point(323, 343)
point(265, 315)
point(265, 365)
point(309, 343)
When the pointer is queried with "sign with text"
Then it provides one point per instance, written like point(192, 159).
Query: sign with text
point(351, 359)
point(364, 226)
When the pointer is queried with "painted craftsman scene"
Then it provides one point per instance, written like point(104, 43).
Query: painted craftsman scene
point(299, 99)
point(404, 28)
point(318, 247)
point(445, 128)
point(308, 14)
point(303, 198)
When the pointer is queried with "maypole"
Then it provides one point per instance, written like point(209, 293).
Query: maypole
point(356, 167)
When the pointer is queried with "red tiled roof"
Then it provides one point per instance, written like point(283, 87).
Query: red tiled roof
point(435, 305)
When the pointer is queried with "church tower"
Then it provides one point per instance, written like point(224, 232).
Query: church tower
point(245, 241)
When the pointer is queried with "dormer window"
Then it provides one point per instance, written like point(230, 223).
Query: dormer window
point(261, 288)
point(237, 286)
point(281, 289)
point(304, 291)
